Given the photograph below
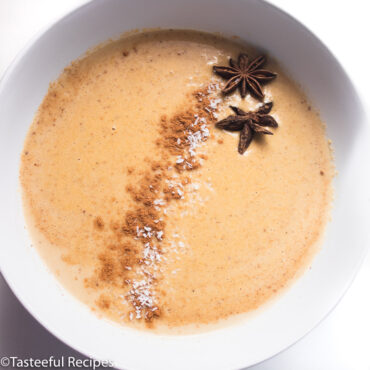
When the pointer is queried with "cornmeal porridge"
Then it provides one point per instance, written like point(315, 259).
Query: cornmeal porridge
point(157, 204)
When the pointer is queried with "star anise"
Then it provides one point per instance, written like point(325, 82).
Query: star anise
point(248, 123)
point(247, 75)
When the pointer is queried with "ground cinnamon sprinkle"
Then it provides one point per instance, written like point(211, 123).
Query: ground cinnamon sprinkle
point(103, 302)
point(98, 223)
point(134, 262)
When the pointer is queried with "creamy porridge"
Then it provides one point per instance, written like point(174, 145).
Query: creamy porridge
point(145, 210)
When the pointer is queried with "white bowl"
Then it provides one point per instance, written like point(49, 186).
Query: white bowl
point(300, 308)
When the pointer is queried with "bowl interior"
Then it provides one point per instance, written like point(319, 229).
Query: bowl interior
point(296, 311)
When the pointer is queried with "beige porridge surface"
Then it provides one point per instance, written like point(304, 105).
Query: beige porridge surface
point(246, 225)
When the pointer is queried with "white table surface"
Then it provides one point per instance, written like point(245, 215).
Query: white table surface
point(342, 340)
